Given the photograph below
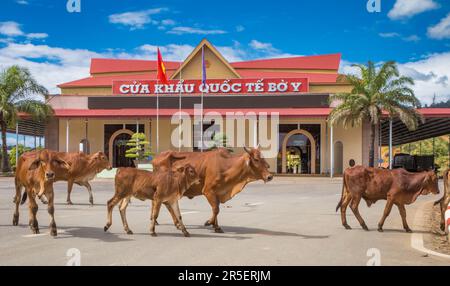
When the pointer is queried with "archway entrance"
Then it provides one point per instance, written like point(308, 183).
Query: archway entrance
point(298, 152)
point(117, 148)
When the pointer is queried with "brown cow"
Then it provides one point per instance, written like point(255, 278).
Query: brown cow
point(397, 186)
point(83, 169)
point(36, 173)
point(445, 200)
point(222, 175)
point(161, 187)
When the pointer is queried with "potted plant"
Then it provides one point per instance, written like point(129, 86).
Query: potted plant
point(139, 150)
point(293, 161)
point(219, 140)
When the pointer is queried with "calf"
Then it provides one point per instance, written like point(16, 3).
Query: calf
point(36, 173)
point(397, 186)
point(164, 186)
point(445, 200)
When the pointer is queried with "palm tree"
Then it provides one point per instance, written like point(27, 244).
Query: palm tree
point(375, 91)
point(19, 92)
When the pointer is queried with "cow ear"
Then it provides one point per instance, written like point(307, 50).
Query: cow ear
point(34, 165)
point(63, 163)
point(247, 150)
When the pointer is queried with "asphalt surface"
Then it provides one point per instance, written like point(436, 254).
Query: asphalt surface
point(289, 221)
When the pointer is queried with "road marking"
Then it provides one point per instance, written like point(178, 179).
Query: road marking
point(190, 212)
point(42, 234)
point(254, 204)
point(417, 238)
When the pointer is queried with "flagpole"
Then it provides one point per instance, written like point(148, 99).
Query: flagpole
point(157, 120)
point(201, 98)
point(179, 115)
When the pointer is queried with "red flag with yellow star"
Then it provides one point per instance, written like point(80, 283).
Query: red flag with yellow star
point(161, 74)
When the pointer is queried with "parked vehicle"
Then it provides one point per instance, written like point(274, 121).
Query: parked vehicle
point(414, 163)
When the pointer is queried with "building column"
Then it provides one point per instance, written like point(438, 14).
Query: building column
point(331, 152)
point(390, 143)
point(255, 132)
point(17, 142)
point(67, 135)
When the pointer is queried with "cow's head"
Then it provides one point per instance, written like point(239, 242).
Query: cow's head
point(191, 176)
point(101, 161)
point(47, 163)
point(430, 183)
point(258, 165)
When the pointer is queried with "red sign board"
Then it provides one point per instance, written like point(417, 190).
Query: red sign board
point(211, 87)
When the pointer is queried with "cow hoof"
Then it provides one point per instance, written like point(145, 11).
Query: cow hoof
point(380, 229)
point(105, 229)
point(91, 201)
point(365, 227)
point(218, 230)
point(53, 232)
point(129, 232)
point(153, 234)
point(69, 203)
point(186, 234)
point(44, 201)
point(408, 230)
point(16, 220)
point(35, 231)
point(347, 226)
point(207, 223)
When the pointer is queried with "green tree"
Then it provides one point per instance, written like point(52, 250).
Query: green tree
point(12, 158)
point(374, 91)
point(19, 92)
point(138, 147)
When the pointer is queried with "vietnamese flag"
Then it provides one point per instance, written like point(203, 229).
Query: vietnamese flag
point(161, 74)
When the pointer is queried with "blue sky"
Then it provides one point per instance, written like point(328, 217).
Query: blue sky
point(57, 45)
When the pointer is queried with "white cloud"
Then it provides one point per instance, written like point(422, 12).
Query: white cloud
point(408, 8)
point(181, 30)
point(441, 30)
point(135, 20)
point(257, 45)
point(411, 38)
point(389, 35)
point(10, 29)
point(22, 2)
point(240, 28)
point(431, 75)
point(37, 35)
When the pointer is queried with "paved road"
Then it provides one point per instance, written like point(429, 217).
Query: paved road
point(290, 221)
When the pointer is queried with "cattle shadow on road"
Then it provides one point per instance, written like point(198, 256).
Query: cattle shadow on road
point(259, 231)
point(91, 233)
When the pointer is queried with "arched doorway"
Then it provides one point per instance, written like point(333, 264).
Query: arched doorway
point(338, 158)
point(298, 139)
point(117, 148)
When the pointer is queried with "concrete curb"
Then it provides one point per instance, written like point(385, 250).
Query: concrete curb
point(417, 238)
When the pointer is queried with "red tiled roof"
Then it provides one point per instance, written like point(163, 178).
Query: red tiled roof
point(247, 69)
point(322, 62)
point(144, 112)
point(435, 112)
point(119, 65)
point(313, 77)
point(107, 80)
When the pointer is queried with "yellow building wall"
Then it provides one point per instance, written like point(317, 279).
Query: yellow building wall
point(351, 139)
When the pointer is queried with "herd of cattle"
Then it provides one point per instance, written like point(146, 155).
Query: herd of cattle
point(217, 174)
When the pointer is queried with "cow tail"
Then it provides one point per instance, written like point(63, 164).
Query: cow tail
point(342, 194)
point(24, 198)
